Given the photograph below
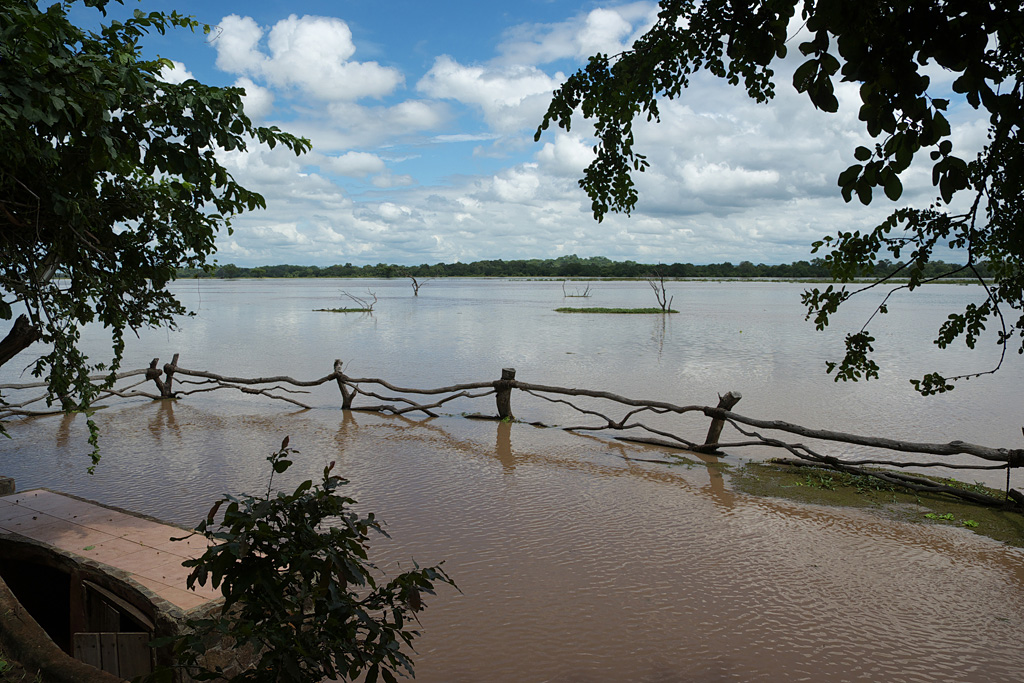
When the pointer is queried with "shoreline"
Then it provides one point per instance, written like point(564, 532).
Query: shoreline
point(820, 486)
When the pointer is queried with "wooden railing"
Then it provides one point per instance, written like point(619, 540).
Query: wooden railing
point(397, 400)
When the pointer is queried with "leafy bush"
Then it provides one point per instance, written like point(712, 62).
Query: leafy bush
point(300, 590)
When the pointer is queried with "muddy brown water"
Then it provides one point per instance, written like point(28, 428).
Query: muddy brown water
point(576, 562)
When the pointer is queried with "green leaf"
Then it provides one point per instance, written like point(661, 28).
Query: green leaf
point(826, 101)
point(804, 75)
point(850, 175)
point(863, 190)
point(893, 187)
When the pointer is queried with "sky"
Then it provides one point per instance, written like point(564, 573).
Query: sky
point(422, 119)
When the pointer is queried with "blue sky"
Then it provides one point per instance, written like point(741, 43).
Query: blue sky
point(422, 117)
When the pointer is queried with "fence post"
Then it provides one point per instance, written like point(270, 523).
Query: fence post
point(504, 396)
point(346, 394)
point(715, 431)
point(154, 373)
point(169, 369)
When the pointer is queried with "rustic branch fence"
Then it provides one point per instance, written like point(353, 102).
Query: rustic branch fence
point(402, 400)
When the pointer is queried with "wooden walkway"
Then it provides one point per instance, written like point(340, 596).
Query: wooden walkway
point(141, 547)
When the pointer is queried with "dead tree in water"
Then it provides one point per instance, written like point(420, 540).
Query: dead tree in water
point(657, 282)
point(584, 294)
point(416, 284)
point(364, 303)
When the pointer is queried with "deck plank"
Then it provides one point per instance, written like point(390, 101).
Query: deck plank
point(138, 546)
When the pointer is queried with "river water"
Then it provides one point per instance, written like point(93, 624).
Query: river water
point(575, 561)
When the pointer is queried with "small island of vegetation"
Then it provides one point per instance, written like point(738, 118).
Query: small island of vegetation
point(362, 304)
point(614, 310)
point(342, 310)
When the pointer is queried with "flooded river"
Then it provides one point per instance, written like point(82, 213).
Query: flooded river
point(576, 562)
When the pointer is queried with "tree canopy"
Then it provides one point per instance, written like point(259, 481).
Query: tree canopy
point(567, 266)
point(884, 46)
point(109, 182)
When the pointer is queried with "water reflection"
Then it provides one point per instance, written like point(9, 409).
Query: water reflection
point(164, 423)
point(66, 429)
point(658, 333)
point(716, 489)
point(503, 447)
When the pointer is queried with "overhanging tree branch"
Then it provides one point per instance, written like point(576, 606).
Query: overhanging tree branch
point(882, 47)
point(107, 179)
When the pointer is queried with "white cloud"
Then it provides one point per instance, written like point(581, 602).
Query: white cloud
point(609, 30)
point(465, 137)
point(347, 125)
point(511, 97)
point(603, 31)
point(722, 179)
point(413, 115)
point(387, 179)
point(729, 179)
point(279, 235)
point(237, 42)
point(258, 102)
point(308, 53)
point(354, 164)
point(517, 186)
point(567, 156)
point(391, 212)
point(176, 74)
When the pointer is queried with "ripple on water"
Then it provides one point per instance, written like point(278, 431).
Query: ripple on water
point(577, 565)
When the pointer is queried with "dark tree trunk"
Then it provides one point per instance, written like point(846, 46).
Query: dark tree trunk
point(21, 336)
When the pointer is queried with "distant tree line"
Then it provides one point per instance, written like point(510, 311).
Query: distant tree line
point(562, 267)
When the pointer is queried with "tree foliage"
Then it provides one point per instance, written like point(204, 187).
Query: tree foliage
point(571, 266)
point(109, 181)
point(300, 590)
point(884, 46)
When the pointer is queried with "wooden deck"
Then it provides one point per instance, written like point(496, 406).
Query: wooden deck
point(138, 546)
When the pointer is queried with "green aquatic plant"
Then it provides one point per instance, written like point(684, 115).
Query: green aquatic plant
point(889, 500)
point(865, 484)
point(976, 487)
point(817, 481)
point(948, 517)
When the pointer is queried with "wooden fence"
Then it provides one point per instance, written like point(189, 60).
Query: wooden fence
point(173, 381)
